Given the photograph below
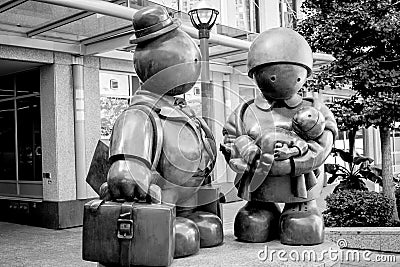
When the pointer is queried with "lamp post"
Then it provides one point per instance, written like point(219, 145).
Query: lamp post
point(203, 16)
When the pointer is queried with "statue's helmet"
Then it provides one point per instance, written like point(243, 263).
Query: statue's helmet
point(166, 59)
point(280, 60)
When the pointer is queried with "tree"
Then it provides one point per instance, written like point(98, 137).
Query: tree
point(348, 113)
point(364, 37)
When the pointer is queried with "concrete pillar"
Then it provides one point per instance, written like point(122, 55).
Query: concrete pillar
point(57, 111)
point(92, 111)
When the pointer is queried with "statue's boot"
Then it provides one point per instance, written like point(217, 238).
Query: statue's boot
point(257, 222)
point(301, 224)
point(187, 238)
point(210, 227)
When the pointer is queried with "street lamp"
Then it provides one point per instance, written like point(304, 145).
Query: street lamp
point(203, 16)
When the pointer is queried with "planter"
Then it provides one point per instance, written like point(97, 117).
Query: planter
point(385, 239)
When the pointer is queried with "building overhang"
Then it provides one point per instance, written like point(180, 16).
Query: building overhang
point(102, 28)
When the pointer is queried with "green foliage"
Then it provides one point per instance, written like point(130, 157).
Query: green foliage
point(358, 208)
point(348, 113)
point(352, 177)
point(364, 37)
point(110, 109)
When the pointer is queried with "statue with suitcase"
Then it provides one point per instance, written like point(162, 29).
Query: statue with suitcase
point(160, 152)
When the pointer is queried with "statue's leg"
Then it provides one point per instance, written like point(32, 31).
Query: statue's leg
point(209, 224)
point(257, 222)
point(187, 234)
point(210, 227)
point(187, 237)
point(301, 224)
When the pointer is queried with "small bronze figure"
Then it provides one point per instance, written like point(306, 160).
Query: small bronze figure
point(277, 143)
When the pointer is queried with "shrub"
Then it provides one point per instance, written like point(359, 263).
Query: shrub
point(397, 194)
point(358, 208)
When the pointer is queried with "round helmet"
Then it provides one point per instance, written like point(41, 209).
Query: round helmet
point(279, 45)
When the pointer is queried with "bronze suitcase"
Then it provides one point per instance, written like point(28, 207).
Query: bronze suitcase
point(128, 233)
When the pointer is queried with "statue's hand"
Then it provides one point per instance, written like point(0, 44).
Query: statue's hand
point(105, 192)
point(282, 151)
point(128, 179)
point(238, 165)
point(249, 152)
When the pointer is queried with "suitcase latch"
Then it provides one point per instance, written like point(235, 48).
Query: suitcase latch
point(125, 228)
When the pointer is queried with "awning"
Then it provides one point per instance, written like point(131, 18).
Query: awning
point(93, 27)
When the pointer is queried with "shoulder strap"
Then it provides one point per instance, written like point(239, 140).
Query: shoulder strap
point(209, 146)
point(152, 111)
point(241, 110)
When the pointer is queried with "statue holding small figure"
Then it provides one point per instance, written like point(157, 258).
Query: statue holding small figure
point(281, 143)
point(277, 144)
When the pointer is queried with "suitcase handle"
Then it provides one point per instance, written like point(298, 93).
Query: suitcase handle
point(94, 206)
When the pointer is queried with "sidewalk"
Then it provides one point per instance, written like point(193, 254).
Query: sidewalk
point(22, 245)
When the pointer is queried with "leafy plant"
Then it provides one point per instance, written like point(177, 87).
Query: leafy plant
point(352, 177)
point(110, 109)
point(358, 208)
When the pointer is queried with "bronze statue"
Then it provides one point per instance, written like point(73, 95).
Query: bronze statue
point(277, 143)
point(158, 143)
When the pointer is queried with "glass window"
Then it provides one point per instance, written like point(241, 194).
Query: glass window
point(21, 127)
point(28, 82)
point(7, 137)
point(247, 15)
point(6, 87)
point(29, 142)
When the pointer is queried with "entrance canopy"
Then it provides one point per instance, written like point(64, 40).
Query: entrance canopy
point(95, 27)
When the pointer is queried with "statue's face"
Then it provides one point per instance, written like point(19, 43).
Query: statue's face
point(169, 64)
point(280, 81)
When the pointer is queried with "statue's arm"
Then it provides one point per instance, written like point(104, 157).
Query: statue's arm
point(131, 148)
point(317, 150)
point(239, 149)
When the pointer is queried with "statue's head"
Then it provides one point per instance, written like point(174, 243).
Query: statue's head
point(166, 59)
point(280, 60)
